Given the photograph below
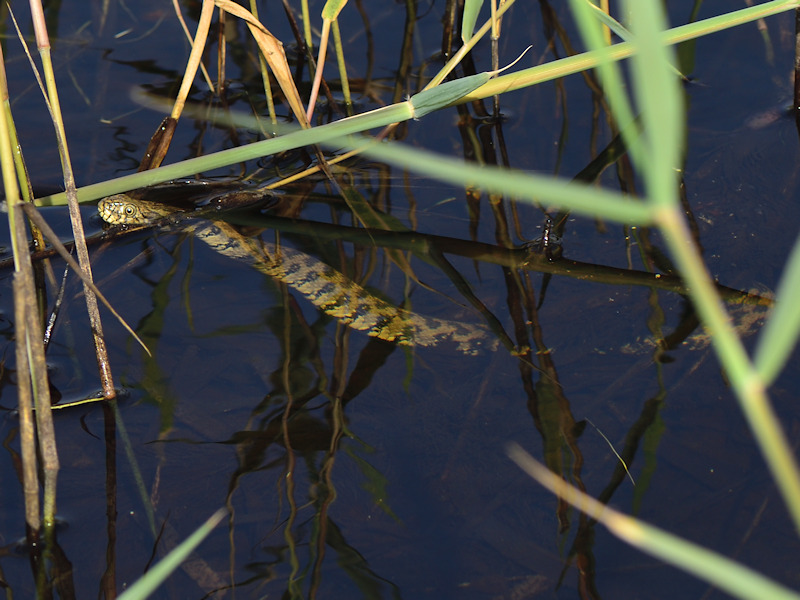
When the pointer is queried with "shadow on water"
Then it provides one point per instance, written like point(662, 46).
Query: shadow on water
point(357, 466)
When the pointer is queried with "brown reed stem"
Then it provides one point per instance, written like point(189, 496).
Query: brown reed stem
point(43, 43)
point(27, 356)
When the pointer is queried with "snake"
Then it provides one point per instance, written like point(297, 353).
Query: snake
point(324, 286)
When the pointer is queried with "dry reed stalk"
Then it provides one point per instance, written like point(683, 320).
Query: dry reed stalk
point(31, 367)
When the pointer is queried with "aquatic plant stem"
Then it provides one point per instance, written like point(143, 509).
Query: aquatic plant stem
point(179, 15)
point(298, 138)
point(23, 292)
point(262, 68)
point(34, 340)
point(43, 43)
point(323, 52)
point(342, 64)
point(195, 56)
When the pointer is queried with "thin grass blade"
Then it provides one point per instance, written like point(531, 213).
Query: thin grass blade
point(565, 195)
point(658, 96)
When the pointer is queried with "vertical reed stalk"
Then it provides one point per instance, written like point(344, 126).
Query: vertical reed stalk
point(43, 44)
point(262, 67)
point(179, 15)
point(29, 346)
point(43, 414)
point(337, 41)
point(195, 56)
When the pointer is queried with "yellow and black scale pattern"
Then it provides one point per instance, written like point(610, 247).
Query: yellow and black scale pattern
point(324, 286)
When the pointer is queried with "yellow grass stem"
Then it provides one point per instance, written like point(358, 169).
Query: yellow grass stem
point(177, 8)
point(195, 56)
point(106, 379)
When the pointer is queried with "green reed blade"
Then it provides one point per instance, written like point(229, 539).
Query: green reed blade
point(469, 18)
point(332, 9)
point(779, 336)
point(540, 189)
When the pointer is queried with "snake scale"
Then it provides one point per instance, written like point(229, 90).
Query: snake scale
point(324, 286)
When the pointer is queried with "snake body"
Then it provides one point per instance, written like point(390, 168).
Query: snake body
point(324, 286)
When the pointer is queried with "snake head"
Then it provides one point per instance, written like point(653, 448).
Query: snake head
point(121, 209)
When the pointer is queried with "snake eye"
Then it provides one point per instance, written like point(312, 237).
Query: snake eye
point(130, 210)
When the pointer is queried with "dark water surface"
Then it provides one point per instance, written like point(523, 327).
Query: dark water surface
point(355, 467)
